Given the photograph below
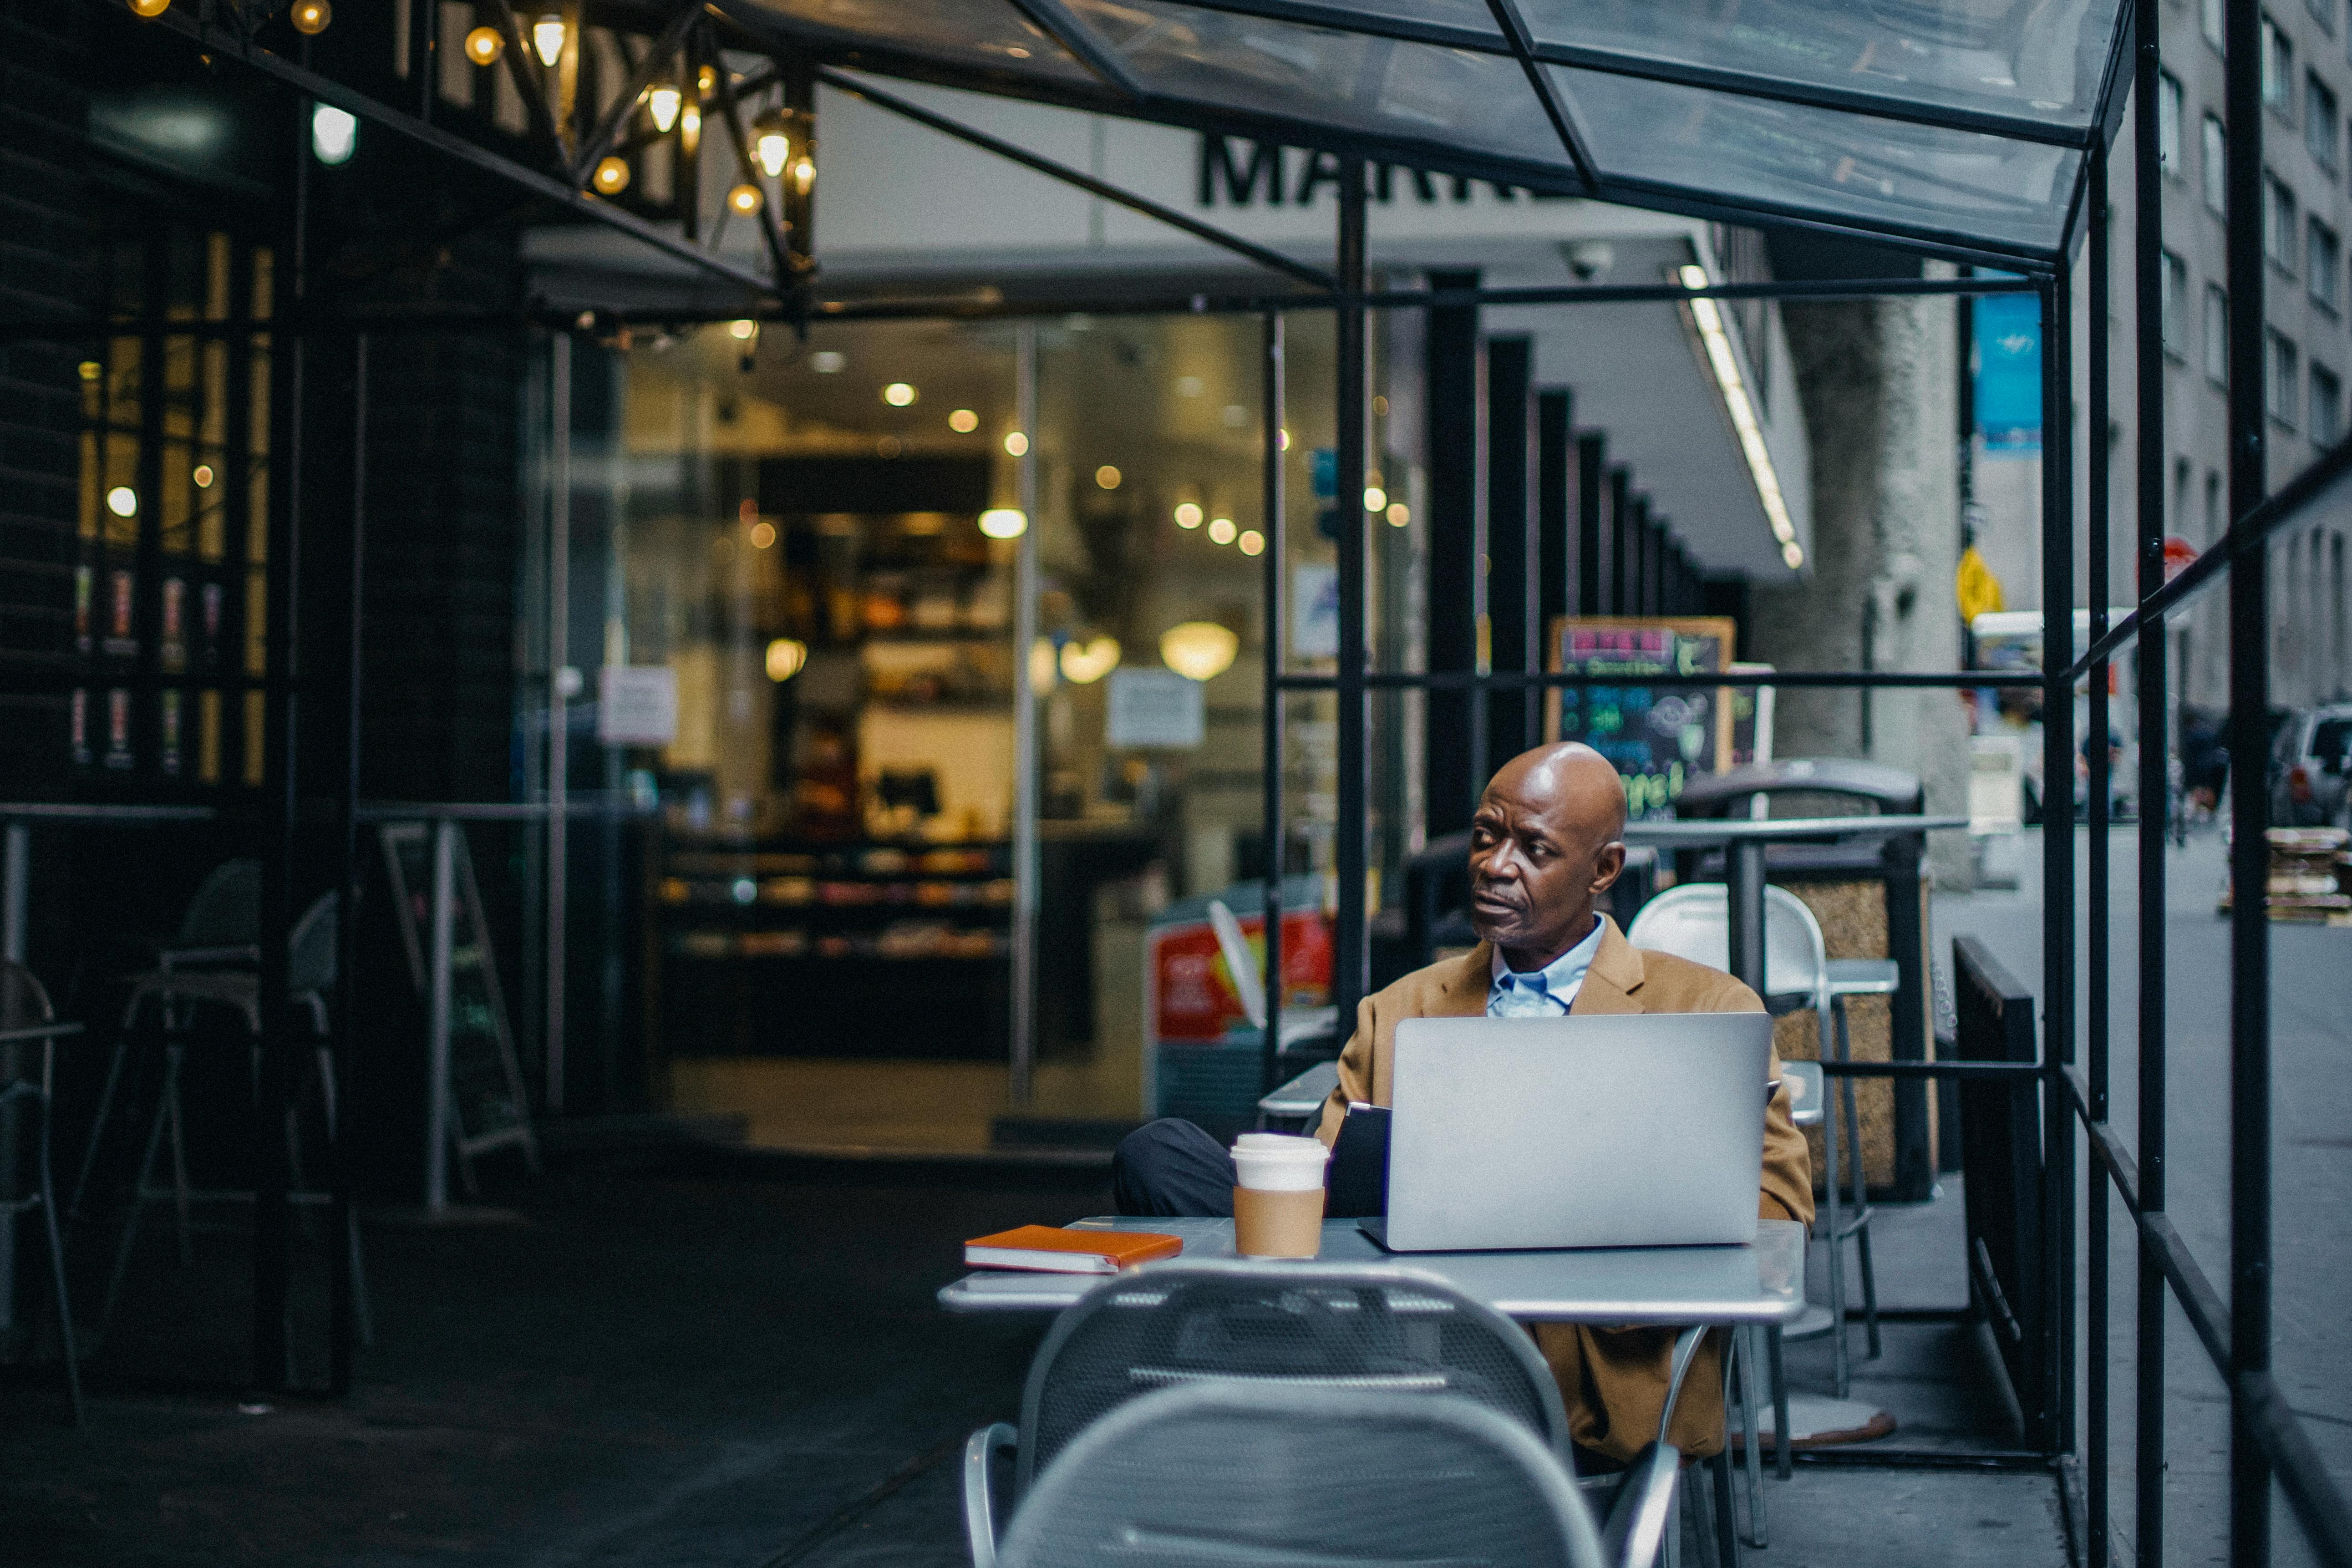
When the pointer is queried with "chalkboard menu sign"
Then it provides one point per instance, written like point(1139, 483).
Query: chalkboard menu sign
point(1658, 736)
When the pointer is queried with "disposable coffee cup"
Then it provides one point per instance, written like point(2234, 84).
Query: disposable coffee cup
point(1278, 1196)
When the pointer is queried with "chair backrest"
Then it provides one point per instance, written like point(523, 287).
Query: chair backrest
point(1694, 922)
point(24, 1000)
point(1290, 1327)
point(1240, 962)
point(226, 910)
point(1186, 1478)
point(311, 950)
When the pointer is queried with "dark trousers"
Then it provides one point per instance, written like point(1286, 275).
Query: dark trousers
point(1169, 1168)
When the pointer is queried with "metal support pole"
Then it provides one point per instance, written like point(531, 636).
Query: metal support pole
point(2057, 859)
point(2250, 967)
point(16, 890)
point(2096, 995)
point(1022, 1059)
point(443, 915)
point(273, 1216)
point(1351, 955)
point(558, 725)
point(1275, 629)
point(1743, 871)
point(343, 1054)
point(2155, 776)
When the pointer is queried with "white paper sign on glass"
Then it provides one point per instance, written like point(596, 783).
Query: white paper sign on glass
point(1314, 611)
point(1154, 708)
point(636, 705)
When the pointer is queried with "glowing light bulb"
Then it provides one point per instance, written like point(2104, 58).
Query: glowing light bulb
point(149, 9)
point(898, 395)
point(1199, 650)
point(1188, 514)
point(122, 501)
point(662, 103)
point(745, 199)
point(1251, 542)
point(1375, 497)
point(547, 38)
point(612, 175)
point(772, 148)
point(1017, 444)
point(1107, 476)
point(743, 332)
point(1221, 531)
point(1004, 522)
point(1398, 514)
point(334, 134)
point(963, 422)
point(763, 534)
point(485, 45)
point(804, 174)
point(202, 476)
point(310, 16)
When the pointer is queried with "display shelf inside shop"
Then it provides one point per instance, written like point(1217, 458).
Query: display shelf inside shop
point(855, 901)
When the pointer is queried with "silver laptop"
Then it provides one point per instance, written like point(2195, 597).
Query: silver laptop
point(1624, 1129)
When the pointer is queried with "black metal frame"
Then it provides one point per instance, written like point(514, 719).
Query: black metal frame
point(2267, 1439)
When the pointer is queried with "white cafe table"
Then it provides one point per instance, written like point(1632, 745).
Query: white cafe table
point(1762, 1282)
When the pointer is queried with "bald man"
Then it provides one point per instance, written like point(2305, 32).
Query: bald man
point(1545, 847)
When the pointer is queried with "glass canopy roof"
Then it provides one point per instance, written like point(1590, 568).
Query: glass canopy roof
point(1959, 126)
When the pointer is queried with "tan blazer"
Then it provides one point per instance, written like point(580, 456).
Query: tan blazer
point(1613, 1381)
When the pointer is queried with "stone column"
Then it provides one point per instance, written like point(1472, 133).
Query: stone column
point(1879, 383)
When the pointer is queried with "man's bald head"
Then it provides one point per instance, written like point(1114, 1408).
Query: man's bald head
point(1543, 849)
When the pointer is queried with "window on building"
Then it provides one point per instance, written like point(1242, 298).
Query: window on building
point(2278, 69)
point(2320, 258)
point(2216, 334)
point(2278, 223)
point(2319, 130)
point(2168, 123)
point(2282, 377)
point(2175, 299)
point(2209, 21)
point(2216, 170)
point(2326, 406)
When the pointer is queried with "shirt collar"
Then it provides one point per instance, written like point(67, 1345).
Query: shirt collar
point(1563, 974)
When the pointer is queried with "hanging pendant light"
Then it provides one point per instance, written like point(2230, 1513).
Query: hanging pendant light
point(745, 198)
point(310, 16)
point(485, 45)
point(547, 38)
point(663, 103)
point(769, 145)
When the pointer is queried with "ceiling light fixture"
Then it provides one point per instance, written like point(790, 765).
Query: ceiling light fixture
point(1106, 476)
point(662, 103)
point(963, 422)
point(744, 331)
point(1375, 497)
point(1188, 514)
point(612, 175)
point(1199, 650)
point(334, 134)
point(1717, 343)
point(898, 395)
point(1398, 514)
point(1221, 531)
point(485, 45)
point(149, 9)
point(1251, 542)
point(547, 36)
point(122, 501)
point(803, 174)
point(1017, 444)
point(310, 16)
point(745, 198)
point(786, 656)
point(1004, 522)
point(1083, 664)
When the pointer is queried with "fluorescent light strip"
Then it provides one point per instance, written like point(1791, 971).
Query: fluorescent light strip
point(1734, 387)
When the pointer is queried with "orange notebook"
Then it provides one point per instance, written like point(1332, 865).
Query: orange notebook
point(1053, 1250)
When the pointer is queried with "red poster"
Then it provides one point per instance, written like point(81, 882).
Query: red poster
point(1193, 996)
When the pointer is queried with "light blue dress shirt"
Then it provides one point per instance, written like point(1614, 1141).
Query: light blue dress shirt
point(1546, 993)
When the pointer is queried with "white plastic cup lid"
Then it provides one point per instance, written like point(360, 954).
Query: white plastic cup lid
point(1293, 1169)
point(1274, 1141)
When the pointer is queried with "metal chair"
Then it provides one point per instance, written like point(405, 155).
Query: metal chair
point(26, 1018)
point(1290, 1327)
point(220, 928)
point(174, 993)
point(1232, 1474)
point(1693, 921)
